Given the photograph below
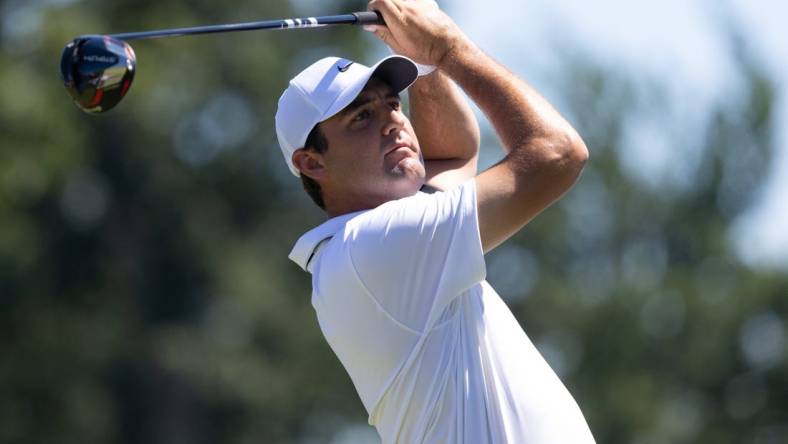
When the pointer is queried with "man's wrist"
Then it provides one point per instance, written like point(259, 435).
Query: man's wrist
point(459, 52)
point(430, 86)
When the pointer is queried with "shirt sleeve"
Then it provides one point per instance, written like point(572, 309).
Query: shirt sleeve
point(415, 255)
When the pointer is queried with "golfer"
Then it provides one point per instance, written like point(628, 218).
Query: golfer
point(398, 269)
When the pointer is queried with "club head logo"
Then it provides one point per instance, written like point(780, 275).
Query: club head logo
point(344, 68)
point(99, 59)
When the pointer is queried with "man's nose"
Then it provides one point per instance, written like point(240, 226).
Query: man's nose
point(395, 121)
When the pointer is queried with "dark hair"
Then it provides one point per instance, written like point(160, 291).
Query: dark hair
point(315, 141)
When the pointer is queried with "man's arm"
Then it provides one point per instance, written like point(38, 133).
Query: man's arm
point(544, 153)
point(445, 125)
point(447, 130)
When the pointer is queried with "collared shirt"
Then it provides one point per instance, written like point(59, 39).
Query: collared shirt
point(434, 353)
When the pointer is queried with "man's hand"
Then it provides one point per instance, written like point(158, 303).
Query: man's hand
point(417, 29)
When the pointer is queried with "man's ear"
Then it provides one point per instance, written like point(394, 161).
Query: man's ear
point(309, 163)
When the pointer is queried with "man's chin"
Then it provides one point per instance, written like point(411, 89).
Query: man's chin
point(409, 169)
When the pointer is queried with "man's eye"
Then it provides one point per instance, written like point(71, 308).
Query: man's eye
point(395, 105)
point(362, 115)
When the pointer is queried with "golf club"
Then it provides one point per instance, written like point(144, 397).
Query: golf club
point(97, 70)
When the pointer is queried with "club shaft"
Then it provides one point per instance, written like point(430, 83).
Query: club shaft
point(355, 18)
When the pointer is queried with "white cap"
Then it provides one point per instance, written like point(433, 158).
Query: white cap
point(326, 88)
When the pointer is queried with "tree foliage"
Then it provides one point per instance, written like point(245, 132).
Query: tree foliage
point(146, 295)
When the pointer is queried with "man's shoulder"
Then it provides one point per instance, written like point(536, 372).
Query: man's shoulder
point(393, 211)
point(394, 218)
point(410, 209)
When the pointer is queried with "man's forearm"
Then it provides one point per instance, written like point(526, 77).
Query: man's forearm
point(443, 120)
point(519, 114)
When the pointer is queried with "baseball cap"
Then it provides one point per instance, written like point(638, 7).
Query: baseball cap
point(325, 88)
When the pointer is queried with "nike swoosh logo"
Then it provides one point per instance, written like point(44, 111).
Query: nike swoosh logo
point(344, 68)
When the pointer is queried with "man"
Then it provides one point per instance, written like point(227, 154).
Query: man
point(398, 269)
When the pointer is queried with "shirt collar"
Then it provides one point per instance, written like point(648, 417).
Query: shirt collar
point(305, 247)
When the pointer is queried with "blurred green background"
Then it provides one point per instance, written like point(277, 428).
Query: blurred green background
point(145, 290)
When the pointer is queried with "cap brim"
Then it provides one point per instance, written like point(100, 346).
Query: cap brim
point(397, 71)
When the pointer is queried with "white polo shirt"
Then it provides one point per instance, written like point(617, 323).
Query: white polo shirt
point(434, 353)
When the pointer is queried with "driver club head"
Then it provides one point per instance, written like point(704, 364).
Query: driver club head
point(97, 71)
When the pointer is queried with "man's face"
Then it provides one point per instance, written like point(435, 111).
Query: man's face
point(373, 155)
